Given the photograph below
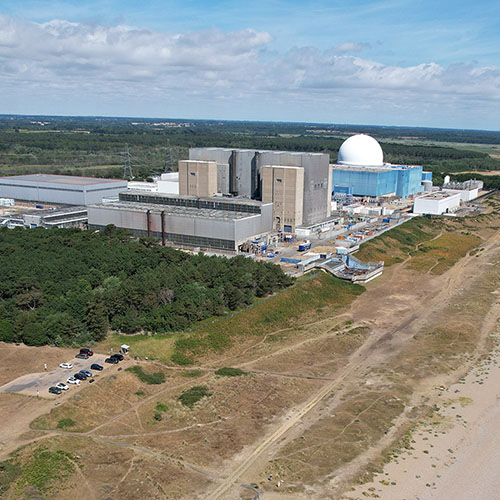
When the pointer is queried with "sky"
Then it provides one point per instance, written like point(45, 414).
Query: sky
point(381, 62)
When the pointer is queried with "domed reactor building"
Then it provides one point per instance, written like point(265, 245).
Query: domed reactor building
point(360, 171)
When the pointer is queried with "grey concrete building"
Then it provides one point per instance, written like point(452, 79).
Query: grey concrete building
point(63, 189)
point(245, 174)
point(190, 221)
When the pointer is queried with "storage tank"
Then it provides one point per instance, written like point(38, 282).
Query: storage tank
point(427, 185)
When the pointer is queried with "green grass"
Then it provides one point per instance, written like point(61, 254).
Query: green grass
point(64, 423)
point(190, 397)
point(229, 372)
point(161, 406)
point(394, 245)
point(283, 310)
point(9, 472)
point(148, 378)
point(43, 468)
point(157, 347)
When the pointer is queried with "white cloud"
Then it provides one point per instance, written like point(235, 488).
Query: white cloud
point(94, 62)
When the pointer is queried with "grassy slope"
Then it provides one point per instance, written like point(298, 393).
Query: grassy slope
point(433, 244)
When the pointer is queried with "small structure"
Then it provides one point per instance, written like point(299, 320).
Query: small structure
point(124, 348)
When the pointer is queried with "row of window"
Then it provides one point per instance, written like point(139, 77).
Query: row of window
point(190, 203)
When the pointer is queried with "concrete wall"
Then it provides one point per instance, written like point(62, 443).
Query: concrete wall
point(245, 174)
point(465, 194)
point(197, 178)
point(284, 187)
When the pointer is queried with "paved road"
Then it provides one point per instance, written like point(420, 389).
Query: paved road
point(33, 382)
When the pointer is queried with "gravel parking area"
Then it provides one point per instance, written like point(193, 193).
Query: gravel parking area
point(39, 383)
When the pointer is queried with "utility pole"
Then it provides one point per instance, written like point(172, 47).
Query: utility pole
point(127, 165)
point(169, 158)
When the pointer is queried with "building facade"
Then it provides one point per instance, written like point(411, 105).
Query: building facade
point(60, 189)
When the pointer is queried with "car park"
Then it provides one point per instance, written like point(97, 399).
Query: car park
point(66, 365)
point(95, 366)
point(62, 386)
point(80, 376)
point(118, 356)
point(113, 361)
point(86, 351)
point(86, 373)
point(55, 390)
point(82, 356)
point(73, 380)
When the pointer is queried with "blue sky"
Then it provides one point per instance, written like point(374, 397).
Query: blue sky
point(383, 62)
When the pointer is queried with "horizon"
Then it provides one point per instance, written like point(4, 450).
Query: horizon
point(312, 61)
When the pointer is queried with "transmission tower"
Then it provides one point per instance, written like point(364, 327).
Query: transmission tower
point(169, 158)
point(127, 165)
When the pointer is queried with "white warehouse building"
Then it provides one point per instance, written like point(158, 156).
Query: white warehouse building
point(436, 203)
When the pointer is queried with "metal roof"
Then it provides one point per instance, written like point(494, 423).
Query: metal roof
point(59, 179)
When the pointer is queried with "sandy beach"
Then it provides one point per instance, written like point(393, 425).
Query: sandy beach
point(456, 454)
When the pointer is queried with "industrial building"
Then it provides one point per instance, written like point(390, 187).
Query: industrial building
point(360, 171)
point(436, 203)
point(240, 172)
point(468, 190)
point(187, 221)
point(284, 188)
point(60, 189)
point(48, 218)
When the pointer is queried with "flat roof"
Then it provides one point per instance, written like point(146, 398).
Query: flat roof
point(59, 179)
point(204, 213)
point(227, 199)
point(243, 150)
point(439, 195)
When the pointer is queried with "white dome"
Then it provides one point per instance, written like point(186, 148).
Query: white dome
point(361, 150)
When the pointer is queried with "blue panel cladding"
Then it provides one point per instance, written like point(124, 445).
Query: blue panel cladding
point(409, 181)
point(342, 189)
point(426, 176)
point(366, 182)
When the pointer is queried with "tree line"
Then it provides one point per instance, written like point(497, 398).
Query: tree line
point(68, 287)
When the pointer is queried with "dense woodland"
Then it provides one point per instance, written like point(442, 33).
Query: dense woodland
point(96, 146)
point(67, 287)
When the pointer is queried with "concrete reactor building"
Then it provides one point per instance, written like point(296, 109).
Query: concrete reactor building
point(360, 170)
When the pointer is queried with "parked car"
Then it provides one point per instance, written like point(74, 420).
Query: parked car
point(82, 356)
point(113, 361)
point(73, 380)
point(118, 356)
point(95, 366)
point(62, 386)
point(80, 376)
point(66, 365)
point(55, 390)
point(86, 351)
point(86, 373)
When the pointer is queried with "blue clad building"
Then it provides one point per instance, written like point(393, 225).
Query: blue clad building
point(360, 166)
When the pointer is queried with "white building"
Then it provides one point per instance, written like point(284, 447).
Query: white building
point(436, 203)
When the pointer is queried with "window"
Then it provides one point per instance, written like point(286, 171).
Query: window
point(279, 180)
point(193, 173)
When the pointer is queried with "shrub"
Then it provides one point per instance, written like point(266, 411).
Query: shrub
point(161, 406)
point(65, 422)
point(190, 397)
point(191, 373)
point(229, 372)
point(157, 416)
point(139, 393)
point(148, 378)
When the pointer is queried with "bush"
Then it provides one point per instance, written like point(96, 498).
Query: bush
point(161, 406)
point(229, 372)
point(157, 416)
point(139, 393)
point(148, 378)
point(190, 397)
point(65, 422)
